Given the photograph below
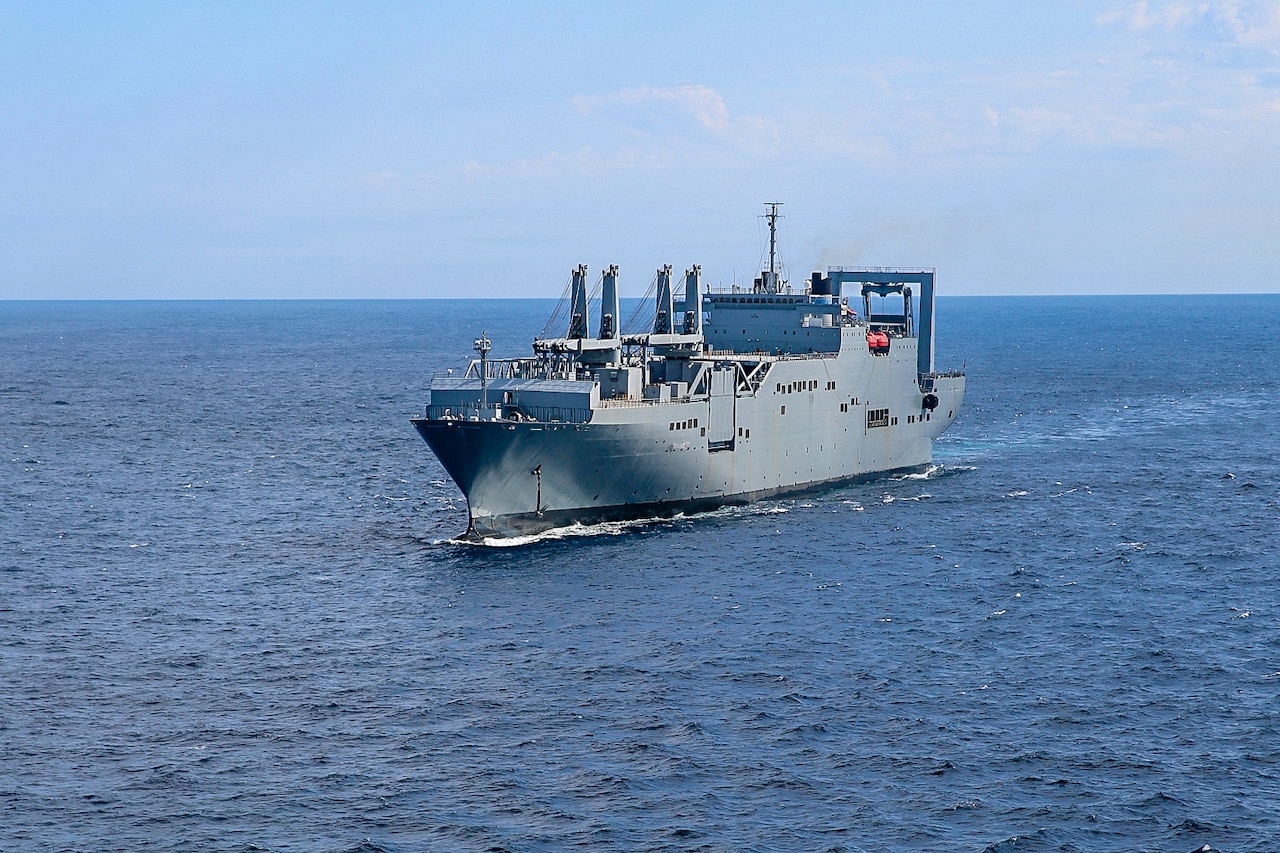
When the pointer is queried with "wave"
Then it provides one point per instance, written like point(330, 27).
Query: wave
point(936, 471)
point(777, 506)
point(572, 531)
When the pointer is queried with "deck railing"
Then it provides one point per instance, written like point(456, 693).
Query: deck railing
point(511, 414)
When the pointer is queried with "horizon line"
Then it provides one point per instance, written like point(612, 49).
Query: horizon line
point(1070, 294)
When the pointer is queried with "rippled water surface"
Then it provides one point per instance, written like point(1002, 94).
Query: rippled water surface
point(231, 616)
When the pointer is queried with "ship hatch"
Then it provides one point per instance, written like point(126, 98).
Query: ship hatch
point(721, 420)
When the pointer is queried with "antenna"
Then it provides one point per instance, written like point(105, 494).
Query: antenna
point(772, 216)
point(482, 346)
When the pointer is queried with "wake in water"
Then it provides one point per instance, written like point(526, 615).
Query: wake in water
point(572, 531)
point(619, 528)
point(934, 472)
point(776, 506)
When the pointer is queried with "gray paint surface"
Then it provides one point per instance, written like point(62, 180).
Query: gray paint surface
point(548, 448)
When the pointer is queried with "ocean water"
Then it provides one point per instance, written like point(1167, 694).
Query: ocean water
point(231, 617)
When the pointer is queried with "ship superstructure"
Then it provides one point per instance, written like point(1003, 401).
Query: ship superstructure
point(725, 397)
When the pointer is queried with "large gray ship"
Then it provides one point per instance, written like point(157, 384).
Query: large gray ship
point(722, 398)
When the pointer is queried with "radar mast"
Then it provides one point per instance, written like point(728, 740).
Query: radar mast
point(769, 281)
point(772, 216)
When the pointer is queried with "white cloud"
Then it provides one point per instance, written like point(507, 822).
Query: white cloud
point(1246, 23)
point(1093, 125)
point(1128, 97)
point(702, 103)
point(1166, 16)
point(673, 111)
point(1260, 28)
point(645, 129)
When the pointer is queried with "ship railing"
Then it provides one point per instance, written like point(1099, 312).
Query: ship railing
point(511, 414)
point(632, 403)
point(903, 270)
point(784, 289)
point(761, 356)
point(927, 379)
point(555, 367)
point(555, 414)
point(496, 368)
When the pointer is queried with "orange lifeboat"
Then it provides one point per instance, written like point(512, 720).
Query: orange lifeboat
point(878, 342)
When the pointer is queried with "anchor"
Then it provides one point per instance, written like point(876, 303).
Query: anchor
point(537, 472)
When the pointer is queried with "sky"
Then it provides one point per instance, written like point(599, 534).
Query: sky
point(382, 149)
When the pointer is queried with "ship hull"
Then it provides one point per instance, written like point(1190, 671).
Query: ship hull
point(564, 509)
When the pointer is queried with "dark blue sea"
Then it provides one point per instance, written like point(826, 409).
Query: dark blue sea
point(232, 618)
